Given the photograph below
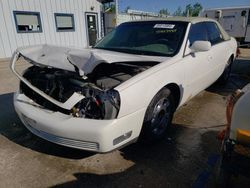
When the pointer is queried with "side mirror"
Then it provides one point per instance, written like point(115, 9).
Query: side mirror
point(200, 46)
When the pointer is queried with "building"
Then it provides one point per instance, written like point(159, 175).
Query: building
point(78, 23)
point(112, 20)
point(57, 22)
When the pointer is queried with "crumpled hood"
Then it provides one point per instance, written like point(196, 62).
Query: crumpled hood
point(85, 60)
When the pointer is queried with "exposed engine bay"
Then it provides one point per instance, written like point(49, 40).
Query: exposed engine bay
point(101, 100)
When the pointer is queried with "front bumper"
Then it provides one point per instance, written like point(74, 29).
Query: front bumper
point(86, 134)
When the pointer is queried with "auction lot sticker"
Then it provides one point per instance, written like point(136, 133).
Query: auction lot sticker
point(164, 26)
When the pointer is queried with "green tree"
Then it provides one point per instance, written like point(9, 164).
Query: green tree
point(164, 11)
point(178, 12)
point(192, 10)
point(188, 10)
point(112, 8)
point(197, 8)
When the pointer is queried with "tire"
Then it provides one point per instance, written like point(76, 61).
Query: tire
point(227, 71)
point(158, 116)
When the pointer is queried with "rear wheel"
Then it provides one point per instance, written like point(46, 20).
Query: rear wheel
point(227, 71)
point(158, 116)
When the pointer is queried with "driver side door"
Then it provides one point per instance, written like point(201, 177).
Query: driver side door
point(197, 64)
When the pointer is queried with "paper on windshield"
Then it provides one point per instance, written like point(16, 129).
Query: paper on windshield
point(164, 26)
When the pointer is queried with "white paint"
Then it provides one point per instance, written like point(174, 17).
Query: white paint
point(10, 39)
point(232, 20)
point(84, 59)
point(241, 115)
point(192, 73)
point(164, 26)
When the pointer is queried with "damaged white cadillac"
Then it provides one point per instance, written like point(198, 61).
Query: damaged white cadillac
point(126, 87)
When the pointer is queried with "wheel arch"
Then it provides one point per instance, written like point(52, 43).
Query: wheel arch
point(232, 57)
point(176, 91)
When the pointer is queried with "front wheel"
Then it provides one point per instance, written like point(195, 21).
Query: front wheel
point(158, 116)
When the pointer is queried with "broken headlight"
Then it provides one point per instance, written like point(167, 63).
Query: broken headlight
point(98, 105)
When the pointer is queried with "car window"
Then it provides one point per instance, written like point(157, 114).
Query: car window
point(214, 34)
point(197, 31)
point(157, 38)
point(248, 22)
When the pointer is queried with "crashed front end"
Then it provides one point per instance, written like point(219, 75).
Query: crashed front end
point(67, 107)
point(89, 101)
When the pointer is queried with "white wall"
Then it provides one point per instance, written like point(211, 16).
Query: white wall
point(231, 20)
point(10, 39)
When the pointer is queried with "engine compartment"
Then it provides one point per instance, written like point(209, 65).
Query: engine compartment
point(101, 100)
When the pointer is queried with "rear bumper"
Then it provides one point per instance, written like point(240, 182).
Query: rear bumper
point(86, 134)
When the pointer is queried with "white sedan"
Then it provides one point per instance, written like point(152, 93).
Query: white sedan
point(126, 87)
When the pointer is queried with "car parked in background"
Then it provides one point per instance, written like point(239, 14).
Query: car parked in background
point(126, 87)
point(235, 150)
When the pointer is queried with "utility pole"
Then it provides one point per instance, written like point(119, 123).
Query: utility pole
point(116, 11)
point(187, 13)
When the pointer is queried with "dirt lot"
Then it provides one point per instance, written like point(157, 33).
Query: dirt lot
point(183, 159)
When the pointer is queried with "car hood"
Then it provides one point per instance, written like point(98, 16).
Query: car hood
point(76, 59)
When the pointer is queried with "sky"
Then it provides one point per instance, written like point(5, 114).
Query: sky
point(172, 5)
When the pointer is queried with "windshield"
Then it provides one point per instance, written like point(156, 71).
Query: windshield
point(156, 38)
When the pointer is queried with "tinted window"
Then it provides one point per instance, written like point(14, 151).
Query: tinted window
point(27, 22)
point(198, 32)
point(214, 33)
point(162, 38)
point(64, 22)
point(248, 22)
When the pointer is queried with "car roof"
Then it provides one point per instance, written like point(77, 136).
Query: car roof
point(192, 20)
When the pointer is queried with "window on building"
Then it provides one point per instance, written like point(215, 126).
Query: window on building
point(64, 22)
point(27, 22)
